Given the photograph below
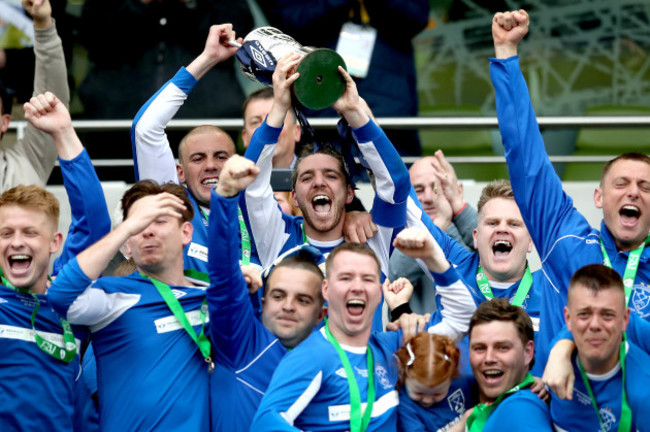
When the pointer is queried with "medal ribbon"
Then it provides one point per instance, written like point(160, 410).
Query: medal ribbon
point(481, 412)
point(69, 349)
point(630, 268)
point(625, 421)
point(522, 289)
point(243, 234)
point(174, 305)
point(357, 422)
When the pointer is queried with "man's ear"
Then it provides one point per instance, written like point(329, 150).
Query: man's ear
point(598, 197)
point(187, 230)
point(325, 289)
point(5, 119)
point(529, 352)
point(245, 139)
point(322, 314)
point(350, 195)
point(56, 242)
point(180, 173)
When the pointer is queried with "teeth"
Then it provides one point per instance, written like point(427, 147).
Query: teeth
point(502, 242)
point(317, 198)
point(493, 372)
point(356, 303)
point(20, 257)
point(210, 181)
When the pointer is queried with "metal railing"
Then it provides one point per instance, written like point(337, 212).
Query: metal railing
point(557, 122)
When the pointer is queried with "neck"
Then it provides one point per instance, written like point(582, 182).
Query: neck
point(627, 247)
point(331, 235)
point(495, 277)
point(170, 275)
point(599, 366)
point(356, 340)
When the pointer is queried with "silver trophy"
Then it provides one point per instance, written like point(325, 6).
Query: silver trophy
point(320, 83)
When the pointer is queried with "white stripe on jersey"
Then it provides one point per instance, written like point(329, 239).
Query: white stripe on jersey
point(299, 405)
point(171, 323)
point(27, 335)
point(379, 408)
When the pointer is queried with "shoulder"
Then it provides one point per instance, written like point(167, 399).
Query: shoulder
point(523, 408)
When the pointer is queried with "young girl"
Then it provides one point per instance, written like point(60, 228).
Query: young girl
point(433, 396)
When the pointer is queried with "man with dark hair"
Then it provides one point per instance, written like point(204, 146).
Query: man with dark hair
point(31, 159)
point(152, 320)
point(501, 354)
point(611, 391)
point(563, 237)
point(250, 349)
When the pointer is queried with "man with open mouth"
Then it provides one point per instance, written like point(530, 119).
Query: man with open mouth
point(40, 373)
point(501, 355)
point(562, 236)
point(498, 268)
point(342, 377)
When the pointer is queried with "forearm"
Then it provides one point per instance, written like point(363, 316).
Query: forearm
point(152, 154)
point(90, 215)
point(94, 260)
point(50, 74)
point(260, 209)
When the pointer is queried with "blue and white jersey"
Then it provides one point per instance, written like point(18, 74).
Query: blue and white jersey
point(153, 159)
point(579, 413)
point(247, 353)
point(37, 391)
point(563, 238)
point(310, 391)
point(28, 374)
point(454, 281)
point(274, 232)
point(521, 411)
point(150, 373)
point(441, 416)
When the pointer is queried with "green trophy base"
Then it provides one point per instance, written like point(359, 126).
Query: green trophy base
point(320, 83)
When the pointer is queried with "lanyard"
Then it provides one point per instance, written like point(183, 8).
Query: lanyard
point(245, 237)
point(357, 423)
point(479, 416)
point(522, 289)
point(625, 422)
point(69, 349)
point(174, 305)
point(630, 268)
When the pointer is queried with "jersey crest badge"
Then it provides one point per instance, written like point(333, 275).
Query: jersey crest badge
point(456, 401)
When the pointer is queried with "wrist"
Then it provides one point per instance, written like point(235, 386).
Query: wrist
point(504, 51)
point(42, 23)
point(458, 209)
point(356, 117)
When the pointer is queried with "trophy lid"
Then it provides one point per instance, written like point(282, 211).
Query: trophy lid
point(320, 83)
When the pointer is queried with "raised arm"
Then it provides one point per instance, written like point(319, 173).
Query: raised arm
point(259, 208)
point(456, 300)
point(79, 273)
point(152, 155)
point(233, 326)
point(35, 151)
point(90, 217)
